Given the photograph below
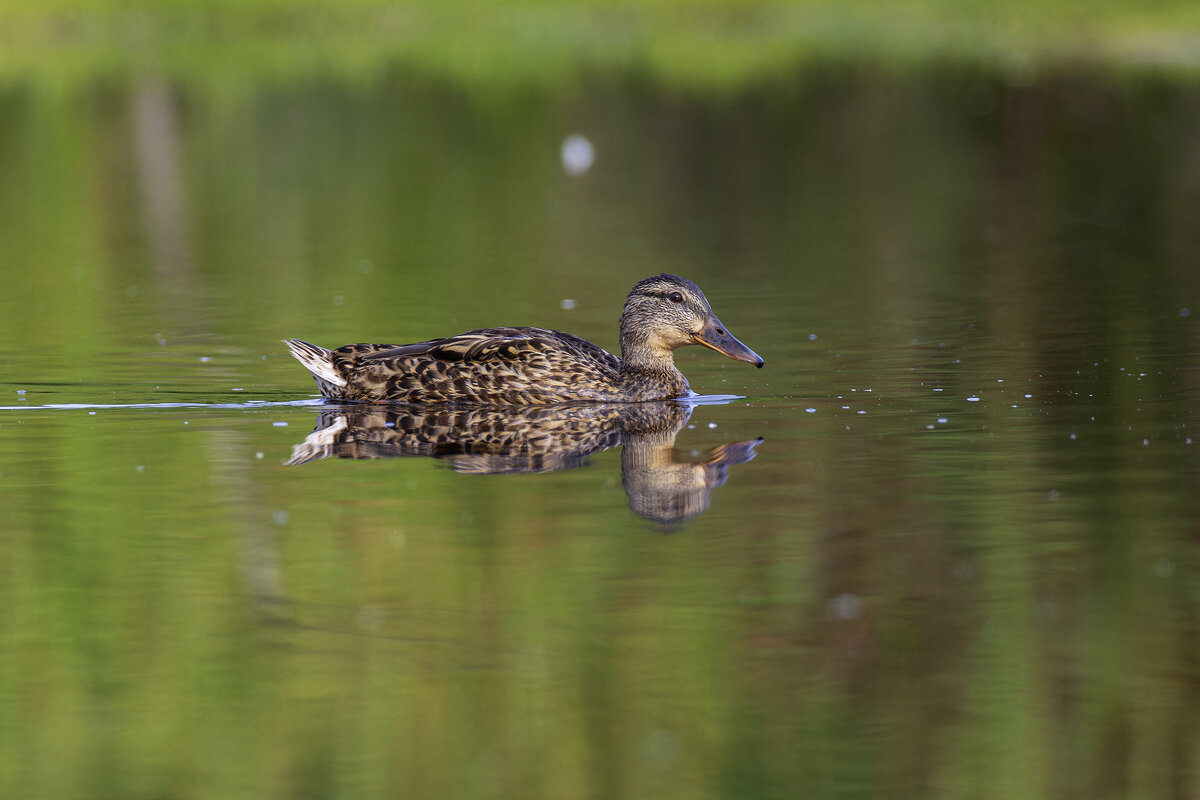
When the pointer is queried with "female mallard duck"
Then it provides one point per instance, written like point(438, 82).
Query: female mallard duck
point(529, 366)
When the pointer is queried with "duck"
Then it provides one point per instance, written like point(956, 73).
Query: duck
point(534, 366)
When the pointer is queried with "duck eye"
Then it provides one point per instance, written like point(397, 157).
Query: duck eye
point(675, 297)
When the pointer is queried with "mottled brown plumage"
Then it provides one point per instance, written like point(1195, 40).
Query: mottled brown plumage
point(531, 366)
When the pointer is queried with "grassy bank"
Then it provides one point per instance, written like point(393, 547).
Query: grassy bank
point(703, 45)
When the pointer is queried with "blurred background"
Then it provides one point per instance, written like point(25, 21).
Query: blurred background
point(965, 237)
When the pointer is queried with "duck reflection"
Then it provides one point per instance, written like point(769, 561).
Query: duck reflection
point(662, 485)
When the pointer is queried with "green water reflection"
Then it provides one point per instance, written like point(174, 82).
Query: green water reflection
point(962, 563)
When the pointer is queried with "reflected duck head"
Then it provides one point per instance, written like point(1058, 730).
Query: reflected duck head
point(667, 312)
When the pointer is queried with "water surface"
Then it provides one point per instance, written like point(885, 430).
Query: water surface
point(961, 562)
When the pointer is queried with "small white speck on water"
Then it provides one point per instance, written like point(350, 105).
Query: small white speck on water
point(942, 420)
point(577, 154)
point(338, 299)
point(20, 391)
point(1145, 442)
point(205, 359)
point(1053, 496)
point(140, 468)
point(281, 517)
point(860, 411)
point(712, 425)
point(567, 304)
point(812, 337)
point(811, 410)
point(973, 399)
point(93, 413)
point(846, 606)
point(1028, 396)
point(1073, 437)
point(938, 390)
point(237, 389)
point(366, 265)
point(259, 456)
point(929, 427)
point(279, 424)
point(185, 422)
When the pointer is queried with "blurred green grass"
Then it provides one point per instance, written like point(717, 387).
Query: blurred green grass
point(706, 45)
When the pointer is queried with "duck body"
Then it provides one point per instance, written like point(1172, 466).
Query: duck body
point(533, 366)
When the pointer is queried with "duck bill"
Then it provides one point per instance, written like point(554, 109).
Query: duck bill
point(713, 335)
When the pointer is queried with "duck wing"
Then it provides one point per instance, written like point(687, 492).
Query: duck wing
point(489, 365)
point(487, 344)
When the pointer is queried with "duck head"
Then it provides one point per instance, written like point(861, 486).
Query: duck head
point(667, 312)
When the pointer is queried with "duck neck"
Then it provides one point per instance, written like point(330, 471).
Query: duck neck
point(644, 362)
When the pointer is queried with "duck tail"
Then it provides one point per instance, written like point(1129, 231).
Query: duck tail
point(319, 362)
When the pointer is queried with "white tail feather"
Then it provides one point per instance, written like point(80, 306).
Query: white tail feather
point(316, 360)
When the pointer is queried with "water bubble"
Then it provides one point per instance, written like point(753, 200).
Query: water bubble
point(942, 420)
point(846, 606)
point(205, 359)
point(567, 304)
point(280, 424)
point(578, 154)
point(712, 425)
point(812, 337)
point(811, 410)
point(259, 456)
point(973, 399)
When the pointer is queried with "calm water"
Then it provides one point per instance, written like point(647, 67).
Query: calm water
point(961, 562)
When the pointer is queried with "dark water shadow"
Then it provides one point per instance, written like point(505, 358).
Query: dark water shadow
point(661, 484)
